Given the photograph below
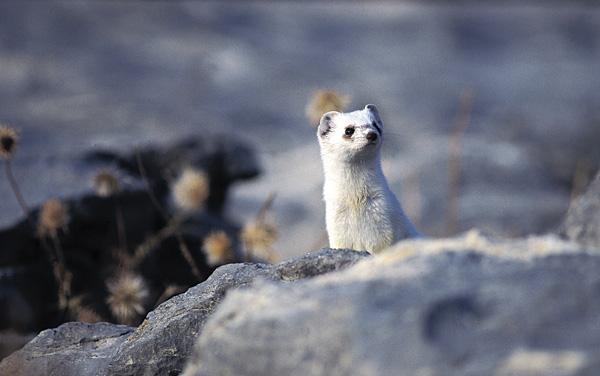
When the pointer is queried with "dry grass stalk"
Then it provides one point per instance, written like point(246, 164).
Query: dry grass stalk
point(106, 184)
point(218, 248)
point(169, 292)
point(153, 241)
point(128, 294)
point(86, 314)
point(80, 312)
point(187, 255)
point(581, 177)
point(259, 235)
point(463, 119)
point(9, 140)
point(323, 101)
point(185, 252)
point(53, 217)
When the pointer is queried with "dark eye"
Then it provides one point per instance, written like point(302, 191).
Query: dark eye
point(349, 131)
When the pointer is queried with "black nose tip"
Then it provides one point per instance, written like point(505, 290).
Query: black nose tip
point(372, 136)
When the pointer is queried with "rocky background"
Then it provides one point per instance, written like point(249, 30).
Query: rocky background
point(492, 121)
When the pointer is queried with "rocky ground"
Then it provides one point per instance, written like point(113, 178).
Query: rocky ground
point(468, 305)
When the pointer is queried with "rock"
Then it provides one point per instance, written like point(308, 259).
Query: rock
point(160, 345)
point(464, 306)
point(582, 223)
point(84, 349)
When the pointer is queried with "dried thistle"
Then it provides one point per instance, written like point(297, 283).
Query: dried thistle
point(86, 314)
point(106, 183)
point(80, 312)
point(9, 139)
point(258, 237)
point(218, 249)
point(127, 296)
point(323, 101)
point(53, 216)
point(8, 142)
point(190, 190)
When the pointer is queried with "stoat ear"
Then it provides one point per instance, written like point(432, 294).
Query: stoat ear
point(374, 113)
point(326, 123)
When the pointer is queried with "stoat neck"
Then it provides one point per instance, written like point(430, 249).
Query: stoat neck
point(350, 178)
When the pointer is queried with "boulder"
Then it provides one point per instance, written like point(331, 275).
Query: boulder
point(161, 344)
point(463, 306)
point(82, 348)
point(582, 222)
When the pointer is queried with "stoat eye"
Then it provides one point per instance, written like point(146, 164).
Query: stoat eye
point(349, 131)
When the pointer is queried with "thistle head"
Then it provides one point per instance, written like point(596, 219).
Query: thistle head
point(127, 296)
point(258, 237)
point(78, 311)
point(190, 190)
point(106, 183)
point(323, 101)
point(9, 139)
point(53, 216)
point(218, 248)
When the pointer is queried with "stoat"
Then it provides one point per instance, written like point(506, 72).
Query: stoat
point(362, 213)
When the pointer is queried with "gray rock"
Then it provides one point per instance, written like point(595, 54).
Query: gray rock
point(582, 223)
point(160, 345)
point(465, 306)
point(71, 349)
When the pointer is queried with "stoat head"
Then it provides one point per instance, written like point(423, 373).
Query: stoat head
point(352, 135)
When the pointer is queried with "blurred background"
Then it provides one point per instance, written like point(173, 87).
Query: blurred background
point(491, 112)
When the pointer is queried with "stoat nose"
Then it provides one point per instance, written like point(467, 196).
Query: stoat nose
point(372, 136)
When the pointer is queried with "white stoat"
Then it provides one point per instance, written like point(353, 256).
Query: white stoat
point(362, 213)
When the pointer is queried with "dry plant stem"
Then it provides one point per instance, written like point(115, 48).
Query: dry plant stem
point(142, 250)
point(260, 218)
point(15, 187)
point(121, 229)
point(58, 271)
point(65, 285)
point(583, 169)
point(183, 248)
point(151, 194)
point(169, 292)
point(463, 119)
point(187, 255)
point(266, 206)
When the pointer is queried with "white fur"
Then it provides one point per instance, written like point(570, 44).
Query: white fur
point(362, 213)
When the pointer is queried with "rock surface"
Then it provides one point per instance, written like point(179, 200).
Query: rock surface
point(160, 345)
point(83, 348)
point(582, 223)
point(463, 306)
